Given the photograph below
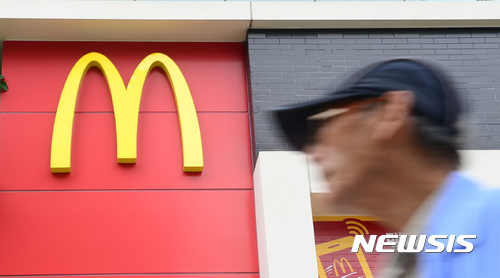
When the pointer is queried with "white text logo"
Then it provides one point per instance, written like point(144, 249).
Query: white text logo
point(410, 244)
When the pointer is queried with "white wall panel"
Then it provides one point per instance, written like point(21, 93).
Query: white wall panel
point(284, 219)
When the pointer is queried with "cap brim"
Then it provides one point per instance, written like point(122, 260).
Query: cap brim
point(293, 119)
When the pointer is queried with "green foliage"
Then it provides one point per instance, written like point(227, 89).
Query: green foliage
point(3, 84)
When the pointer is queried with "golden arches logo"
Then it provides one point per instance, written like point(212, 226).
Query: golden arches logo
point(341, 264)
point(126, 102)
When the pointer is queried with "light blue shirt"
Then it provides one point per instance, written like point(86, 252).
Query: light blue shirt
point(464, 207)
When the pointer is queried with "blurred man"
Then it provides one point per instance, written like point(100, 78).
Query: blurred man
point(386, 142)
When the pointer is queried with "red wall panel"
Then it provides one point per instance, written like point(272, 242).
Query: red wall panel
point(25, 153)
point(134, 219)
point(127, 232)
point(36, 72)
point(198, 275)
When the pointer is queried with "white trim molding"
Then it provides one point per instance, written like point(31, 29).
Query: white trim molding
point(285, 232)
point(204, 21)
point(376, 14)
point(224, 21)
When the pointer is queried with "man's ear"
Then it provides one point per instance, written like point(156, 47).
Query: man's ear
point(393, 114)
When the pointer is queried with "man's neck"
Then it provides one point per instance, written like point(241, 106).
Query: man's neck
point(405, 188)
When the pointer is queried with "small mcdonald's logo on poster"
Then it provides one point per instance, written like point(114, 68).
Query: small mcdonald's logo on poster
point(334, 240)
point(339, 263)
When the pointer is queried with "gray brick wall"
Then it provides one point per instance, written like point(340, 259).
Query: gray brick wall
point(294, 66)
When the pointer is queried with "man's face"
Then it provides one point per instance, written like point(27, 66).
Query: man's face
point(344, 148)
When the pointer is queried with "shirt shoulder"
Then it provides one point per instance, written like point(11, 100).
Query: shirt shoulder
point(465, 207)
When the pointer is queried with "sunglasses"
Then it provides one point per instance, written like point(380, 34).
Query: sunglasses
point(316, 121)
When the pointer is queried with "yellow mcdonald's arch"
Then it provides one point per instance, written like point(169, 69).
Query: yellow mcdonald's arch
point(126, 102)
point(341, 263)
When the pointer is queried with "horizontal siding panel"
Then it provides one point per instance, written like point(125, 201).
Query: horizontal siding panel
point(46, 233)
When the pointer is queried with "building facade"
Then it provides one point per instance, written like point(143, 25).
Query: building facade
point(238, 202)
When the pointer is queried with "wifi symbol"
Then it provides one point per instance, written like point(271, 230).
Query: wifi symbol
point(356, 228)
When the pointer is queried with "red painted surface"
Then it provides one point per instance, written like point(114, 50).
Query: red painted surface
point(127, 232)
point(36, 72)
point(202, 275)
point(326, 231)
point(25, 141)
point(139, 219)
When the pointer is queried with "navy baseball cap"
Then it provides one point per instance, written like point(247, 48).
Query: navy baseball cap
point(435, 98)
